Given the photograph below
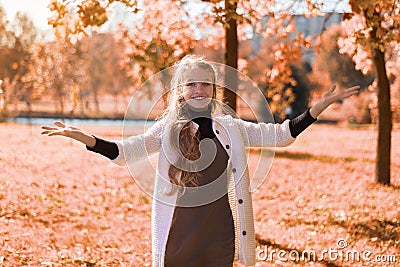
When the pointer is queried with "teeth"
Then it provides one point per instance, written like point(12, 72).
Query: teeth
point(199, 97)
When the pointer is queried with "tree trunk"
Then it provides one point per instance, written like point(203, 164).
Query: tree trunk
point(94, 91)
point(3, 111)
point(29, 106)
point(61, 103)
point(382, 171)
point(116, 103)
point(81, 103)
point(231, 55)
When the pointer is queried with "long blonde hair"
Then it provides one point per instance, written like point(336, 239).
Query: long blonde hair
point(179, 123)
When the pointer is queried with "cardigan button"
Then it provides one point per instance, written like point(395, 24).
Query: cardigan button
point(244, 233)
point(227, 146)
point(234, 170)
point(217, 131)
point(240, 201)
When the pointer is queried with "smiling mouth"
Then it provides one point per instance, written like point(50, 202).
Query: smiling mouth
point(198, 98)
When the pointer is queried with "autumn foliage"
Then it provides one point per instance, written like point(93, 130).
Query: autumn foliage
point(374, 27)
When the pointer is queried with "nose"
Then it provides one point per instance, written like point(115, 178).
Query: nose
point(197, 87)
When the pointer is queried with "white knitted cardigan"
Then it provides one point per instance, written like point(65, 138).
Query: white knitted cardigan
point(235, 135)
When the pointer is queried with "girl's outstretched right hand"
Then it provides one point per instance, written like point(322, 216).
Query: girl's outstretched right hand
point(60, 129)
point(69, 131)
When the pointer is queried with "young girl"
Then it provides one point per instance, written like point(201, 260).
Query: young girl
point(202, 211)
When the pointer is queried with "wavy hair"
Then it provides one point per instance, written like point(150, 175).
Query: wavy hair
point(179, 123)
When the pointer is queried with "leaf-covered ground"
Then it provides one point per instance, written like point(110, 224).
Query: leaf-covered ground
point(61, 205)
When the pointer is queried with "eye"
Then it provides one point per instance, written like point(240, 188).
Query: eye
point(190, 84)
point(206, 84)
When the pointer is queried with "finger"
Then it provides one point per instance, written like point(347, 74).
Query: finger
point(45, 127)
point(347, 94)
point(59, 124)
point(331, 88)
point(352, 93)
point(49, 133)
point(352, 90)
point(54, 133)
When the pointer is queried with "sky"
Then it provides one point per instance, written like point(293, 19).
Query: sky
point(36, 9)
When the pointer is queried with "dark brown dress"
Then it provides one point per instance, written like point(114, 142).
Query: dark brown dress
point(204, 235)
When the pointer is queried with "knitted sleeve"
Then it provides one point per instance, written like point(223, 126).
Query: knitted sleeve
point(140, 146)
point(133, 148)
point(265, 134)
point(274, 134)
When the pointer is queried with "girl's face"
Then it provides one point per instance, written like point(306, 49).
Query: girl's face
point(198, 88)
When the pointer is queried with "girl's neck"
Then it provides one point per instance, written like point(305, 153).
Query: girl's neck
point(194, 113)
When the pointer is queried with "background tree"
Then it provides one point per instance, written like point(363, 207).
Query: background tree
point(25, 38)
point(73, 18)
point(241, 19)
point(98, 70)
point(234, 16)
point(16, 38)
point(301, 87)
point(162, 37)
point(372, 27)
point(60, 70)
point(119, 82)
point(340, 67)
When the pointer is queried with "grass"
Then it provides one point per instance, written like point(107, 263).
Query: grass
point(303, 156)
point(61, 205)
